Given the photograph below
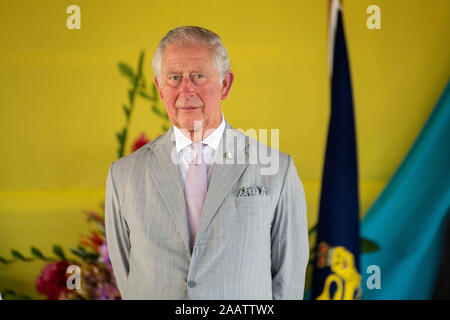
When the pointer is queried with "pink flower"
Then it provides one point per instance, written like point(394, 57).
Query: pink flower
point(104, 256)
point(107, 292)
point(52, 281)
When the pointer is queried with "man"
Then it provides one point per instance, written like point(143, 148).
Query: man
point(189, 215)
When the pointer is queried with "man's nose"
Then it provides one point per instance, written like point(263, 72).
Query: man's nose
point(187, 85)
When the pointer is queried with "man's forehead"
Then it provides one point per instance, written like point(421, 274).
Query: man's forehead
point(180, 67)
point(191, 64)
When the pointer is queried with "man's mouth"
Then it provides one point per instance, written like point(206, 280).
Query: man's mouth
point(189, 108)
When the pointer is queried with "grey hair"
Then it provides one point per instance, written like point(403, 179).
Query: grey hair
point(193, 35)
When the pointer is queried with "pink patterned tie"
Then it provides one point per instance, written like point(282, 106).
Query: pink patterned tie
point(195, 187)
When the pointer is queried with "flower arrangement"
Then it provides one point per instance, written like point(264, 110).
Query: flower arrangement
point(92, 260)
point(97, 278)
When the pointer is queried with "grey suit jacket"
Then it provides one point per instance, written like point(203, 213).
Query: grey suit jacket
point(247, 247)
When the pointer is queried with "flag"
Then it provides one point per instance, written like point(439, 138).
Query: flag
point(408, 219)
point(336, 272)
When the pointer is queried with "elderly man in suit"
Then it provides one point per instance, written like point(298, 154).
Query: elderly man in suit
point(192, 214)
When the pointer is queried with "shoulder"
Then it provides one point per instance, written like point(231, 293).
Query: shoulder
point(275, 161)
point(264, 149)
point(133, 161)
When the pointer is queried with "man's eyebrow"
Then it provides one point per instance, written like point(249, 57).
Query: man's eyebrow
point(178, 72)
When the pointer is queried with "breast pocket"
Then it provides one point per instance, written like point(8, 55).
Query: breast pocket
point(255, 202)
point(252, 221)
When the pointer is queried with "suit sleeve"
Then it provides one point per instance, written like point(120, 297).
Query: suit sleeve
point(117, 233)
point(289, 236)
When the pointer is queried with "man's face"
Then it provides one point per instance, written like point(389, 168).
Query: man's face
point(190, 87)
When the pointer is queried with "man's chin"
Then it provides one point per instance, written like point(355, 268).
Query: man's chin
point(189, 123)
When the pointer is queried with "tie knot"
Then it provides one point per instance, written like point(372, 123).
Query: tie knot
point(197, 148)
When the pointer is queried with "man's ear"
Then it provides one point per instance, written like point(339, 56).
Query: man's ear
point(159, 89)
point(226, 84)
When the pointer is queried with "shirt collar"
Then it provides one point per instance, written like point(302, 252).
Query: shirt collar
point(213, 140)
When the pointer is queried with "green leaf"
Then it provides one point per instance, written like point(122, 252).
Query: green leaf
point(38, 254)
point(8, 292)
point(3, 260)
point(140, 63)
point(81, 248)
point(155, 92)
point(78, 253)
point(16, 254)
point(85, 255)
point(131, 94)
point(156, 110)
point(59, 252)
point(313, 229)
point(144, 95)
point(19, 296)
point(142, 83)
point(126, 70)
point(126, 110)
point(368, 246)
point(121, 136)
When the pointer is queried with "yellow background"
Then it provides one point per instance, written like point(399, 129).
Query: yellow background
point(61, 96)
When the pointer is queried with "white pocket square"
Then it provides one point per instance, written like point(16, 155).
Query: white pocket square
point(252, 191)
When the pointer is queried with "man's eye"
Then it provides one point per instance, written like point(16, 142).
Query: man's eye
point(198, 76)
point(174, 78)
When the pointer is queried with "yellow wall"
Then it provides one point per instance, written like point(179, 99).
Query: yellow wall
point(61, 96)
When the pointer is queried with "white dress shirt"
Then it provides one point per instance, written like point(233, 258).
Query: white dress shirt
point(185, 151)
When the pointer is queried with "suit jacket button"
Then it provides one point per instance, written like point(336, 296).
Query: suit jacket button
point(191, 283)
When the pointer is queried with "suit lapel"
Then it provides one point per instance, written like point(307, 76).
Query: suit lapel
point(224, 175)
point(166, 176)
